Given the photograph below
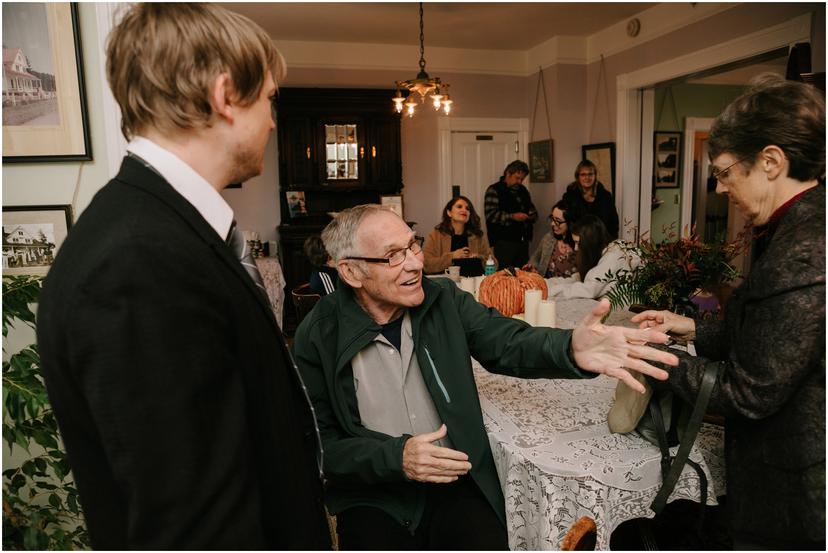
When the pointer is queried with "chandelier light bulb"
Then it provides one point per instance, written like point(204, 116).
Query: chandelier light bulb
point(410, 110)
point(447, 102)
point(436, 98)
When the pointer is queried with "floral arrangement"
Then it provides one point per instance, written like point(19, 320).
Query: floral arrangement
point(672, 272)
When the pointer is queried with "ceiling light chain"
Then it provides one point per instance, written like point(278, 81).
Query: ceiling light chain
point(423, 85)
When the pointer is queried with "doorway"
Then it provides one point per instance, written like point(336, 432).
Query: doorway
point(474, 152)
point(636, 107)
point(477, 160)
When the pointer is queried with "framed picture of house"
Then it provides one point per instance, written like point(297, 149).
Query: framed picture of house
point(541, 157)
point(603, 156)
point(666, 159)
point(44, 104)
point(32, 236)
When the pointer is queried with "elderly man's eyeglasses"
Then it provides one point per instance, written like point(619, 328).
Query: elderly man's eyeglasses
point(397, 256)
point(722, 174)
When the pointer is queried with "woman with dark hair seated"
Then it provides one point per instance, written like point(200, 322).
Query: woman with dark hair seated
point(555, 256)
point(324, 277)
point(767, 151)
point(586, 195)
point(457, 240)
point(596, 254)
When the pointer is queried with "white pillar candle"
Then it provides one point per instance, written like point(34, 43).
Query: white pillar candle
point(531, 300)
point(477, 281)
point(546, 314)
point(467, 284)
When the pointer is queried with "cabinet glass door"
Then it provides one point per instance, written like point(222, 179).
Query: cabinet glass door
point(341, 152)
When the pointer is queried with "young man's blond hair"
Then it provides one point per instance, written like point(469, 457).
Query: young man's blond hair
point(163, 57)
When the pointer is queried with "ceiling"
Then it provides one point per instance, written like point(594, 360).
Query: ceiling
point(471, 25)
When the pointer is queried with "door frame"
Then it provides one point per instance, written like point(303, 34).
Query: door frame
point(634, 109)
point(447, 125)
point(691, 126)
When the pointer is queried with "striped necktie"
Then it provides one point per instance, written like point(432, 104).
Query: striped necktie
point(239, 246)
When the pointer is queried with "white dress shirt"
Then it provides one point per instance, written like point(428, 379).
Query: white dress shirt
point(187, 182)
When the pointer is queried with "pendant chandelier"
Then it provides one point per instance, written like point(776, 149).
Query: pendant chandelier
point(424, 85)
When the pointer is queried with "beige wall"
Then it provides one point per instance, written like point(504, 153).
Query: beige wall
point(571, 90)
point(738, 21)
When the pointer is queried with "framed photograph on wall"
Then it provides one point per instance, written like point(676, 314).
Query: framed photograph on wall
point(603, 156)
point(296, 203)
point(666, 159)
point(393, 201)
point(32, 236)
point(541, 158)
point(44, 103)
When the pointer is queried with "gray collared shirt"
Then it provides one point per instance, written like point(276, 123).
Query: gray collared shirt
point(391, 395)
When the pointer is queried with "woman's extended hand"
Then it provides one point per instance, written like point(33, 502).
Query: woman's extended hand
point(668, 322)
point(460, 253)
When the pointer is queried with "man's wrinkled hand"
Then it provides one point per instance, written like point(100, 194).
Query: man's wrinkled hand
point(615, 350)
point(425, 462)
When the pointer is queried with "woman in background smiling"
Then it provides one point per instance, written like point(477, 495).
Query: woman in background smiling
point(457, 240)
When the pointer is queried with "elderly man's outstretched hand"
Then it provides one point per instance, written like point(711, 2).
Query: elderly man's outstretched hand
point(611, 350)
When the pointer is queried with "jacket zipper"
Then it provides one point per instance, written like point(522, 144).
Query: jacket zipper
point(437, 375)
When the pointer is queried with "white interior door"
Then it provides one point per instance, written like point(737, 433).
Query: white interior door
point(478, 160)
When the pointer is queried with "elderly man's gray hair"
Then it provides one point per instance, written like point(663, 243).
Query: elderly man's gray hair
point(340, 234)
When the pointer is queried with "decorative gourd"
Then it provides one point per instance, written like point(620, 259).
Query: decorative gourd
point(505, 290)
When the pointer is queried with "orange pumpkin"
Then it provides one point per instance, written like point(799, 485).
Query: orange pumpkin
point(505, 290)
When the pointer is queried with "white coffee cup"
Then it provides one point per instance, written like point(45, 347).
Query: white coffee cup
point(453, 272)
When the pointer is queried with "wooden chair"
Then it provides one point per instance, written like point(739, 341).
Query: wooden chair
point(303, 300)
point(581, 536)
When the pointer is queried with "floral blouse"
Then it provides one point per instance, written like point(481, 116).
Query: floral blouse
point(562, 261)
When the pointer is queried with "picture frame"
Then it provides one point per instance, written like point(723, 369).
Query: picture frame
point(45, 117)
point(394, 202)
point(296, 203)
point(666, 159)
point(541, 159)
point(32, 236)
point(603, 156)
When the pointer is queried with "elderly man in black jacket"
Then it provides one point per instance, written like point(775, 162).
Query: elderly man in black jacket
point(768, 154)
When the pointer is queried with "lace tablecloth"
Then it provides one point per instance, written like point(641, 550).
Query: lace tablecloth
point(558, 461)
point(274, 282)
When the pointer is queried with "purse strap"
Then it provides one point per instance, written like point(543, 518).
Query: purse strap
point(688, 439)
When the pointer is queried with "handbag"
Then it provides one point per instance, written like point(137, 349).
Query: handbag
point(666, 420)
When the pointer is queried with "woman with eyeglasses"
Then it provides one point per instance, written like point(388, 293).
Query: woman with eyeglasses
point(767, 149)
point(555, 255)
point(457, 240)
point(596, 254)
point(588, 196)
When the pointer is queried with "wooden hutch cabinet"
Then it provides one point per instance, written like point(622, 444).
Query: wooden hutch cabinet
point(337, 148)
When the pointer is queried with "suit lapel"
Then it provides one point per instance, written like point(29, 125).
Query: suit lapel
point(134, 173)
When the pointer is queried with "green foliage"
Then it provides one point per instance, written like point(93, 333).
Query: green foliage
point(672, 272)
point(40, 502)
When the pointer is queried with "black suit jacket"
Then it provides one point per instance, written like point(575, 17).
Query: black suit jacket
point(184, 420)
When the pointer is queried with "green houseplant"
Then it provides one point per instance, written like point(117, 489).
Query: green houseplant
point(40, 501)
point(672, 272)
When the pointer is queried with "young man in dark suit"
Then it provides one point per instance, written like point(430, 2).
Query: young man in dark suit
point(186, 423)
